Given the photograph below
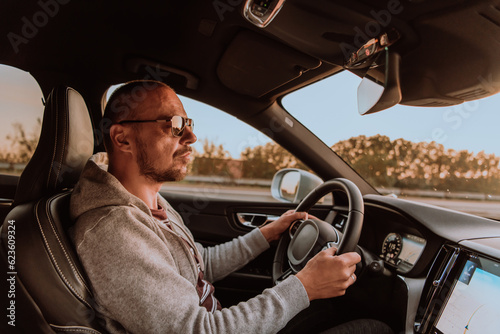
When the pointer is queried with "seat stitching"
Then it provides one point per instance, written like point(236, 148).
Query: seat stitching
point(54, 260)
point(75, 329)
point(79, 277)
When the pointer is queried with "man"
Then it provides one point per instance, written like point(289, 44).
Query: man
point(147, 273)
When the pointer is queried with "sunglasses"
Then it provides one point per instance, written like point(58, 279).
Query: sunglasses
point(179, 123)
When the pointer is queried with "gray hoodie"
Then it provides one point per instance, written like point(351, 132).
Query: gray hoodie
point(143, 276)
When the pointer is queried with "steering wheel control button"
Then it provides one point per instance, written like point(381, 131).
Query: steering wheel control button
point(375, 266)
point(330, 244)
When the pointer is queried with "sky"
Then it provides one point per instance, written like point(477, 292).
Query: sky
point(328, 108)
point(474, 125)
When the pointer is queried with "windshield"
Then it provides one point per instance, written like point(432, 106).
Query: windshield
point(444, 156)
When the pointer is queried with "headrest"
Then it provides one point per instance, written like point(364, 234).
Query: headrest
point(66, 143)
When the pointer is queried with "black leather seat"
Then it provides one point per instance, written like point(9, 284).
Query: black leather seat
point(52, 293)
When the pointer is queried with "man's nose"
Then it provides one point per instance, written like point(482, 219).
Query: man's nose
point(188, 137)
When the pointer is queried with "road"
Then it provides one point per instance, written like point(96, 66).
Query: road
point(489, 209)
point(480, 208)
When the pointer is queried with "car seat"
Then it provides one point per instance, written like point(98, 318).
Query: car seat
point(52, 293)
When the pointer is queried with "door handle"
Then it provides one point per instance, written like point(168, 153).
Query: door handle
point(255, 219)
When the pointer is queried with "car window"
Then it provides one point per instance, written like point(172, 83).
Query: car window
point(231, 157)
point(444, 156)
point(21, 105)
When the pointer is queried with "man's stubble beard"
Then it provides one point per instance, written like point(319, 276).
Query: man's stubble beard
point(148, 169)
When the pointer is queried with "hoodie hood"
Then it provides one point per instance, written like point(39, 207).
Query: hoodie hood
point(98, 189)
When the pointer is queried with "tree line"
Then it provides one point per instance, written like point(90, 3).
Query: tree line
point(259, 162)
point(22, 144)
point(382, 162)
point(408, 165)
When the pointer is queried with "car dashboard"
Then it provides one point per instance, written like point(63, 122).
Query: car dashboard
point(397, 245)
point(453, 258)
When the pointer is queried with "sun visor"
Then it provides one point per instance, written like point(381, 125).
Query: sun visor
point(255, 65)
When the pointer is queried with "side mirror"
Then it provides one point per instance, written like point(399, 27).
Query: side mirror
point(291, 185)
point(380, 88)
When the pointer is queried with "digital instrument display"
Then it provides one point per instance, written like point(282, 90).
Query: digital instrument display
point(402, 250)
point(473, 306)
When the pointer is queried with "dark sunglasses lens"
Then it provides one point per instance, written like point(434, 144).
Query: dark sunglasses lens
point(178, 124)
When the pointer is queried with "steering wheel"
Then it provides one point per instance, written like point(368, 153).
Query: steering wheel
point(314, 235)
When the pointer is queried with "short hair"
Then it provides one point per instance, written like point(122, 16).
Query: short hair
point(123, 103)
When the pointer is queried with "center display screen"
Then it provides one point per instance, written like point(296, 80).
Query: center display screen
point(473, 306)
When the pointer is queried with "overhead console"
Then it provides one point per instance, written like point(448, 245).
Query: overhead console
point(333, 30)
point(262, 12)
point(439, 44)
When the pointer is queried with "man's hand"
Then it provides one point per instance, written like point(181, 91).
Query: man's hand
point(272, 231)
point(327, 275)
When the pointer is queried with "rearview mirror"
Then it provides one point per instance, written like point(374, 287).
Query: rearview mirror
point(380, 88)
point(291, 185)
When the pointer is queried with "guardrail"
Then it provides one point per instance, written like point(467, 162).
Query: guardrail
point(438, 194)
point(15, 167)
point(224, 180)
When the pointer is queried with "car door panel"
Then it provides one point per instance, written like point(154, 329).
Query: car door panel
point(216, 220)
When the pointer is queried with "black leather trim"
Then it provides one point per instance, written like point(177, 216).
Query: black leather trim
point(28, 317)
point(52, 216)
point(47, 264)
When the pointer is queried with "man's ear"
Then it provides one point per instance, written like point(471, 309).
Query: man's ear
point(120, 136)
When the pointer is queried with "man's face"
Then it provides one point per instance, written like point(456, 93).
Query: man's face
point(160, 156)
